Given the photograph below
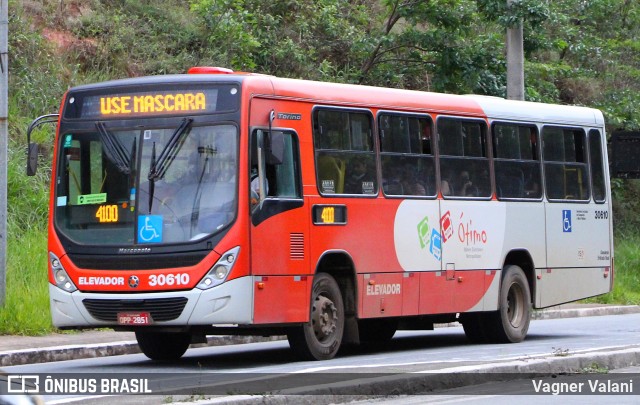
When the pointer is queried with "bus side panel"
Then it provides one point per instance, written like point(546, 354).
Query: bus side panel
point(525, 230)
point(473, 234)
point(557, 286)
point(578, 235)
point(366, 236)
point(436, 295)
point(410, 294)
point(578, 253)
point(281, 299)
point(381, 294)
point(471, 288)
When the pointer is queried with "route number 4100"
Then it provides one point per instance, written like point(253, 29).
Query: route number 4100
point(107, 213)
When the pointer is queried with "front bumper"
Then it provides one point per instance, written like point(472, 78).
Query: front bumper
point(228, 303)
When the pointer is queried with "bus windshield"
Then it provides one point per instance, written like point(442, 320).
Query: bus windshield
point(146, 185)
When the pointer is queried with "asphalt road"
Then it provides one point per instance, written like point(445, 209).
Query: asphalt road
point(412, 363)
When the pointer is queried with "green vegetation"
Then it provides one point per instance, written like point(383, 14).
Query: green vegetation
point(577, 52)
point(626, 287)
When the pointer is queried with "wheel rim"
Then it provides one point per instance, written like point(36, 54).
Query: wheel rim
point(515, 305)
point(324, 318)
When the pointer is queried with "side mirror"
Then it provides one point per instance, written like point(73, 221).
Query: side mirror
point(274, 143)
point(32, 148)
point(32, 159)
point(275, 148)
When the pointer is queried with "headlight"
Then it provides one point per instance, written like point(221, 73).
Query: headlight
point(219, 272)
point(62, 279)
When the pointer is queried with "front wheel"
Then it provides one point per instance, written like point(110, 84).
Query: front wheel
point(320, 338)
point(511, 322)
point(163, 346)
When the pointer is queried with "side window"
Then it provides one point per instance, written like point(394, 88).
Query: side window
point(281, 178)
point(408, 164)
point(565, 165)
point(597, 167)
point(516, 161)
point(345, 159)
point(464, 165)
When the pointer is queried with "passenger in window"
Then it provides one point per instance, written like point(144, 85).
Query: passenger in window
point(255, 187)
point(410, 183)
point(359, 181)
point(446, 185)
point(465, 185)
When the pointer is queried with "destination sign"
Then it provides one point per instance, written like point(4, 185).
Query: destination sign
point(137, 101)
point(153, 103)
point(149, 103)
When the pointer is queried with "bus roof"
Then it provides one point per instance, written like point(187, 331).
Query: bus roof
point(499, 108)
point(383, 98)
point(473, 105)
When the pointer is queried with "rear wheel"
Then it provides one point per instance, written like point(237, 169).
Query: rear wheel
point(320, 339)
point(163, 345)
point(511, 322)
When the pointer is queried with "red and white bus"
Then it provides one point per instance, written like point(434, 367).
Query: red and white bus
point(230, 203)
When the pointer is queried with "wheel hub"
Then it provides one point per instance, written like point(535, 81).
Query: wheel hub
point(515, 305)
point(324, 317)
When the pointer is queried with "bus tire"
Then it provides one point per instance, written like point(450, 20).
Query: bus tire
point(320, 338)
point(511, 322)
point(163, 346)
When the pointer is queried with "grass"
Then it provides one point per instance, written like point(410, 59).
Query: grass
point(26, 310)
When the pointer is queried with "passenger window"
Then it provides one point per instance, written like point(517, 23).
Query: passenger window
point(597, 166)
point(464, 165)
point(408, 164)
point(345, 160)
point(517, 165)
point(565, 165)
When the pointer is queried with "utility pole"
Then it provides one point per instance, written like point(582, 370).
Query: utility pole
point(4, 142)
point(515, 60)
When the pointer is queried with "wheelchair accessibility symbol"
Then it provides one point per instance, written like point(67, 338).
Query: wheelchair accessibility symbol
point(149, 228)
point(566, 220)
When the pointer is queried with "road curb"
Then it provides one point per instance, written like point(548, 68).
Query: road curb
point(80, 351)
point(555, 313)
point(430, 382)
point(86, 351)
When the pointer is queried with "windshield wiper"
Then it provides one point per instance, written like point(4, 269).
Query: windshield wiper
point(114, 149)
point(152, 181)
point(159, 167)
point(195, 210)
